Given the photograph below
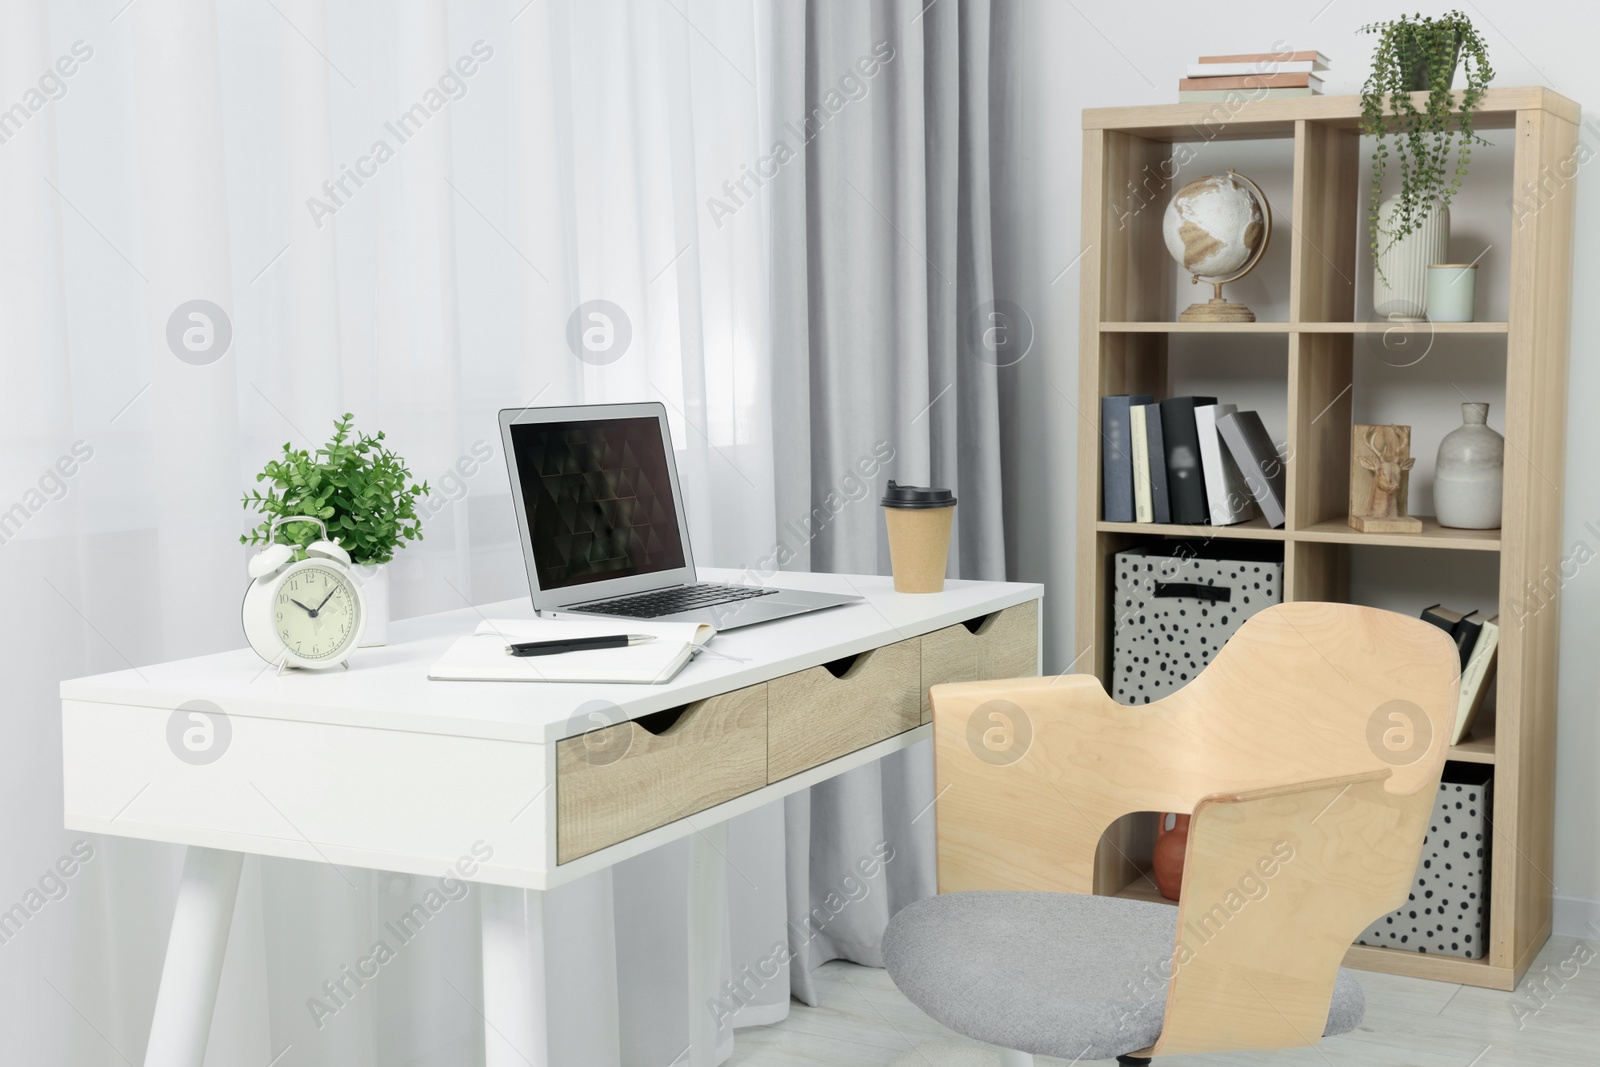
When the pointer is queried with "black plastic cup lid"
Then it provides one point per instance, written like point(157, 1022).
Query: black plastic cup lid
point(916, 496)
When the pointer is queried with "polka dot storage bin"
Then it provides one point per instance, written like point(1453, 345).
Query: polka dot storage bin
point(1448, 911)
point(1176, 603)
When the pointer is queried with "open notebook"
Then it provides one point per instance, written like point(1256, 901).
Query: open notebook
point(481, 656)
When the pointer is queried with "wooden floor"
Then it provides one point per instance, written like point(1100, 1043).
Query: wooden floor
point(863, 1021)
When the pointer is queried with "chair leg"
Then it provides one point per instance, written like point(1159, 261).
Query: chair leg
point(1010, 1057)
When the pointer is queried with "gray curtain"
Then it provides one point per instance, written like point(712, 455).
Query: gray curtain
point(888, 342)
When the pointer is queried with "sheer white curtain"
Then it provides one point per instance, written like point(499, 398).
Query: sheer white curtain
point(408, 209)
point(398, 207)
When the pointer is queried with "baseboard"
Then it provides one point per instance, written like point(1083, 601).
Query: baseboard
point(1576, 917)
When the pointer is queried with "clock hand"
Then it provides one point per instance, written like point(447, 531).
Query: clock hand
point(309, 611)
point(329, 597)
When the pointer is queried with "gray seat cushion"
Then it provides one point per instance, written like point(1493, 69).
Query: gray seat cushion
point(1055, 974)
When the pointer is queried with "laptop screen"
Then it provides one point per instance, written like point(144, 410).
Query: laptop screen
point(598, 495)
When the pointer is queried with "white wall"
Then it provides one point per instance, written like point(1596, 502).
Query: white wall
point(1075, 56)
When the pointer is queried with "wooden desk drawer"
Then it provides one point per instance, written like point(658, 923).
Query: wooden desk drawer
point(1004, 645)
point(619, 781)
point(821, 713)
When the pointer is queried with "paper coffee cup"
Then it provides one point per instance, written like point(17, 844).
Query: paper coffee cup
point(919, 535)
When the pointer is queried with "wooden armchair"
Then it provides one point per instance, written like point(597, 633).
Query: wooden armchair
point(1309, 753)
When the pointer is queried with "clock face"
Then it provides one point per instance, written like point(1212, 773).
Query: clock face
point(314, 612)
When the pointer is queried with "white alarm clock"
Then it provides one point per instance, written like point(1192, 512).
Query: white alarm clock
point(307, 613)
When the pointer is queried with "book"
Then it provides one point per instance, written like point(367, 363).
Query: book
point(1226, 496)
point(1258, 461)
point(1466, 635)
point(1477, 677)
point(1461, 627)
point(1141, 463)
point(1317, 59)
point(1212, 96)
point(1186, 484)
point(1116, 456)
point(1268, 65)
point(1442, 617)
point(1160, 505)
point(1255, 81)
point(481, 655)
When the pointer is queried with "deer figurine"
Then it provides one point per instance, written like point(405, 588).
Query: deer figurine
point(1382, 456)
point(1388, 460)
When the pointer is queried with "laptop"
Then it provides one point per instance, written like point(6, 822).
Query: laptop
point(595, 490)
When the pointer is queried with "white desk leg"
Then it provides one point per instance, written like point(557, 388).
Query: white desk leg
point(193, 966)
point(515, 1030)
point(708, 908)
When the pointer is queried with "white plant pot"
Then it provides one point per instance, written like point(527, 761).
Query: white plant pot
point(374, 582)
point(1400, 274)
point(1451, 287)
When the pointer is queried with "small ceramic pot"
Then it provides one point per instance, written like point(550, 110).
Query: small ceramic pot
point(1470, 472)
point(1451, 287)
point(1167, 860)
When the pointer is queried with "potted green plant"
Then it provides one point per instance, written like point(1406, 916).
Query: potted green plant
point(1418, 54)
point(362, 489)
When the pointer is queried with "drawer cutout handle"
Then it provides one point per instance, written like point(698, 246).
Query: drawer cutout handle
point(660, 722)
point(841, 666)
point(977, 622)
point(1214, 593)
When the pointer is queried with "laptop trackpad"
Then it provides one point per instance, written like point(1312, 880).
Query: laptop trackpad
point(756, 610)
point(765, 608)
point(777, 605)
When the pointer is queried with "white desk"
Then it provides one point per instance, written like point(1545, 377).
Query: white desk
point(519, 787)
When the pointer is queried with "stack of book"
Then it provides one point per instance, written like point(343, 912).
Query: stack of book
point(1187, 460)
point(1477, 641)
point(1257, 76)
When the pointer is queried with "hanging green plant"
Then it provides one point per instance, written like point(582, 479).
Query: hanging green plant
point(1421, 54)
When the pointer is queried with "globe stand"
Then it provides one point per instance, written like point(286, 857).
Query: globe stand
point(1217, 310)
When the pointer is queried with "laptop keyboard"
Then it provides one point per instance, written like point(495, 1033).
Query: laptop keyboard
point(661, 602)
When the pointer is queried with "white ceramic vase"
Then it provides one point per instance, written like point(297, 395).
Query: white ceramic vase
point(1469, 473)
point(374, 582)
point(1400, 275)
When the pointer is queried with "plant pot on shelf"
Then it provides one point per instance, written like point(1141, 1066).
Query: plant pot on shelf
point(373, 578)
point(1470, 473)
point(1417, 70)
point(1451, 290)
point(1400, 269)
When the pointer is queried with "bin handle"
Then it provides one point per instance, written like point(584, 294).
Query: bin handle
point(1214, 593)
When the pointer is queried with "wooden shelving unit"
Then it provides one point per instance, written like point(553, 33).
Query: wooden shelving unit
point(1127, 301)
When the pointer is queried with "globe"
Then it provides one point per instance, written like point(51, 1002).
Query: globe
point(1218, 227)
point(1215, 225)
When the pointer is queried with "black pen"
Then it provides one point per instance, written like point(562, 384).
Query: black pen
point(575, 644)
